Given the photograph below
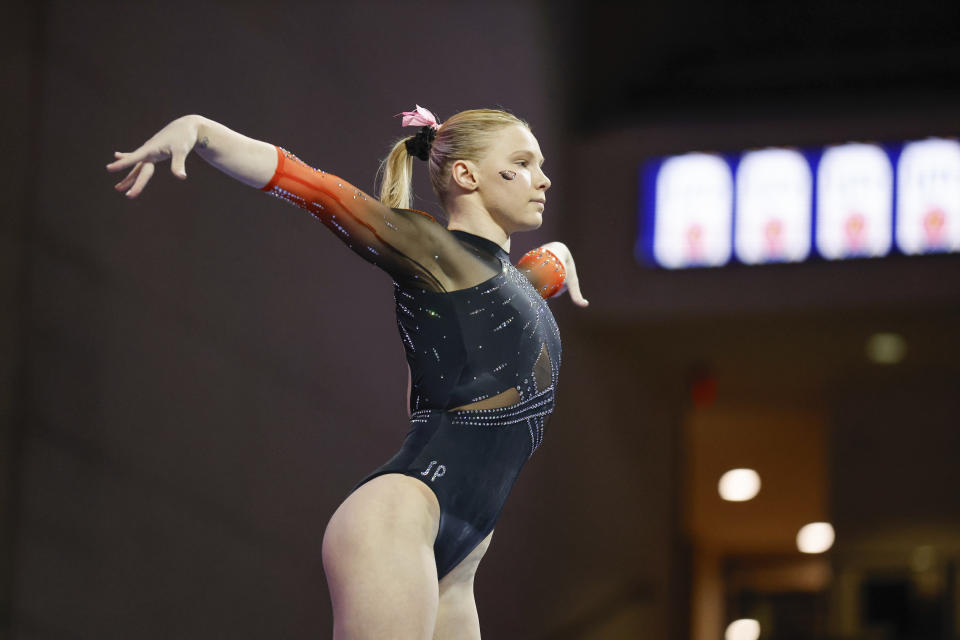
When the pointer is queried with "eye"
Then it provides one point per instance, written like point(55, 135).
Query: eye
point(522, 163)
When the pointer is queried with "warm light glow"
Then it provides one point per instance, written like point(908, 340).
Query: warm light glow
point(923, 558)
point(815, 537)
point(886, 348)
point(742, 629)
point(739, 485)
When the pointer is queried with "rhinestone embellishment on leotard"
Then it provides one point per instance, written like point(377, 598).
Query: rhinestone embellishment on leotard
point(283, 194)
point(492, 324)
point(504, 323)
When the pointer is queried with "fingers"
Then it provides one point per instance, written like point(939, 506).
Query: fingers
point(142, 171)
point(146, 171)
point(177, 165)
point(573, 285)
point(127, 182)
point(124, 160)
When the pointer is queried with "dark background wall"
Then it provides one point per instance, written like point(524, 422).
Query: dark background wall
point(193, 380)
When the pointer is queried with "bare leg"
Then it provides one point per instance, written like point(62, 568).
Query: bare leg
point(457, 609)
point(379, 563)
point(457, 615)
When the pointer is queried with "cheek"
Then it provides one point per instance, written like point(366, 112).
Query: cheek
point(509, 193)
point(520, 184)
point(517, 197)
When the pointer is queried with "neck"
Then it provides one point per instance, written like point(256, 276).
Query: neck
point(478, 222)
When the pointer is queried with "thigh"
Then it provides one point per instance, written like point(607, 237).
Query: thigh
point(457, 609)
point(457, 614)
point(378, 559)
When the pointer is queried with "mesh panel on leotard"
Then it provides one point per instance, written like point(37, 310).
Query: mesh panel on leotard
point(408, 244)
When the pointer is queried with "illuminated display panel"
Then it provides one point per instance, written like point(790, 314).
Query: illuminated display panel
point(774, 188)
point(854, 202)
point(693, 205)
point(928, 197)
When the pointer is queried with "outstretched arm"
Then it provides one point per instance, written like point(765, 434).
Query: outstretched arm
point(245, 159)
point(399, 241)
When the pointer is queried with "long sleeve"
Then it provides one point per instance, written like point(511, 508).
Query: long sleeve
point(399, 241)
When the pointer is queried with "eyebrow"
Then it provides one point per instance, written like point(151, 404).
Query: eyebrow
point(525, 152)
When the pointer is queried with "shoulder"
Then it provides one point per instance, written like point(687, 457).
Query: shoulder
point(426, 227)
point(420, 219)
point(422, 213)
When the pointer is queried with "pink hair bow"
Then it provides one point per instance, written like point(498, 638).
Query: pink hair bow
point(419, 118)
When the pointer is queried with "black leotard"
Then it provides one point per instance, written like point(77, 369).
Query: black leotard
point(482, 345)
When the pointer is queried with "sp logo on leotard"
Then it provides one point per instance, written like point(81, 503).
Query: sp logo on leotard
point(438, 473)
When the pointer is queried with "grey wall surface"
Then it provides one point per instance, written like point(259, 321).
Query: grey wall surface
point(19, 43)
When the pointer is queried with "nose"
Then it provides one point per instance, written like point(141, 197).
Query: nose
point(544, 181)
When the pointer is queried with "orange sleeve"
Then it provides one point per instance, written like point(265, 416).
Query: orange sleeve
point(390, 238)
point(544, 270)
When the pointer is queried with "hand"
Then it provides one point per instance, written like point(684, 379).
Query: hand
point(174, 141)
point(572, 283)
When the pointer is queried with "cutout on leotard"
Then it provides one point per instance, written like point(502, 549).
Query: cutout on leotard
point(502, 399)
point(543, 369)
point(542, 376)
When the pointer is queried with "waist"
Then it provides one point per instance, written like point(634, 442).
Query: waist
point(535, 405)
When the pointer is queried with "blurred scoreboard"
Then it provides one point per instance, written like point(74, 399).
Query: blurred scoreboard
point(779, 205)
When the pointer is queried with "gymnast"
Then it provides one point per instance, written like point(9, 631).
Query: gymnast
point(482, 347)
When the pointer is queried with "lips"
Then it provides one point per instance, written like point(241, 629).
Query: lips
point(541, 201)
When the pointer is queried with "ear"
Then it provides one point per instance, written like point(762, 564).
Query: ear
point(465, 175)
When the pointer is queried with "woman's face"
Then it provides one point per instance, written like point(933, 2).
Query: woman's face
point(512, 182)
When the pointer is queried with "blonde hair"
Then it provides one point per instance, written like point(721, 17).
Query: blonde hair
point(463, 136)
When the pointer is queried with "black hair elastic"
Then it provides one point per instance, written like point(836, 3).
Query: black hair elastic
point(419, 145)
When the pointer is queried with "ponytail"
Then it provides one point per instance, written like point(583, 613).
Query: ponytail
point(396, 190)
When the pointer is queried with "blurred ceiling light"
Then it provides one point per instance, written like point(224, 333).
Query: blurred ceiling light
point(923, 558)
point(815, 537)
point(742, 629)
point(886, 348)
point(739, 485)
